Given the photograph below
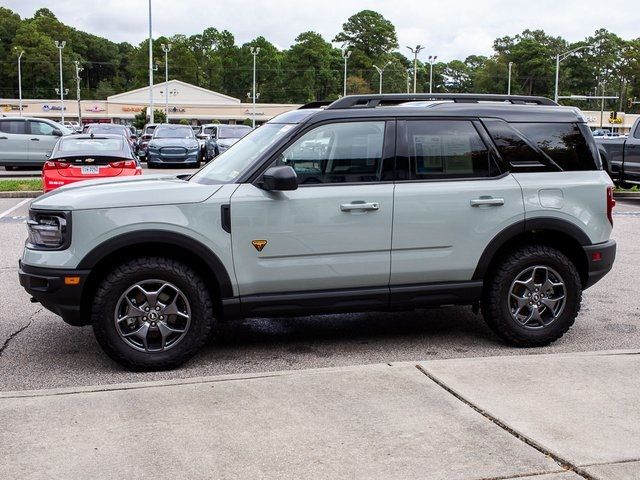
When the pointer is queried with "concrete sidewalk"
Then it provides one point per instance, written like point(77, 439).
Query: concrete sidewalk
point(538, 416)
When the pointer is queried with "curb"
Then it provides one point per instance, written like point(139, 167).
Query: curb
point(21, 194)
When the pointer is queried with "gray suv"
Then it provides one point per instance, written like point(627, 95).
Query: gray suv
point(27, 142)
point(379, 202)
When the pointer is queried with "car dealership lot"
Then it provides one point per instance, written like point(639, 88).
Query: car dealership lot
point(37, 350)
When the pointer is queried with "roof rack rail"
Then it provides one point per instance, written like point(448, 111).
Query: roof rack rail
point(372, 101)
point(318, 104)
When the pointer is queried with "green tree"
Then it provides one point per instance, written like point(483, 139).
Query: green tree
point(369, 32)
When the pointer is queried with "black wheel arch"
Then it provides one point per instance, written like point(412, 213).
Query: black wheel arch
point(156, 243)
point(557, 233)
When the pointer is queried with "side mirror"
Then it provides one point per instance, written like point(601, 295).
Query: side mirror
point(280, 179)
point(56, 132)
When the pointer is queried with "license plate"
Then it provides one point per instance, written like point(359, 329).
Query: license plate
point(90, 170)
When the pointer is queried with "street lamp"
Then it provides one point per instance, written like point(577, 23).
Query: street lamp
point(509, 81)
point(19, 53)
point(60, 46)
point(415, 52)
point(432, 59)
point(78, 70)
point(560, 57)
point(254, 51)
point(381, 71)
point(166, 49)
point(345, 54)
point(408, 80)
point(150, 68)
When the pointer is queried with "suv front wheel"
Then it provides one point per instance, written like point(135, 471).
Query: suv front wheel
point(152, 313)
point(532, 297)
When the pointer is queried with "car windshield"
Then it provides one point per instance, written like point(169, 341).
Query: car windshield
point(173, 132)
point(90, 145)
point(238, 131)
point(107, 129)
point(228, 166)
point(149, 130)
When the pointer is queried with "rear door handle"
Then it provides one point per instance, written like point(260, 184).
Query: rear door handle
point(35, 139)
point(347, 207)
point(494, 202)
point(4, 138)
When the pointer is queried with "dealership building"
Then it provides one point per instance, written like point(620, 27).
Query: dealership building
point(197, 105)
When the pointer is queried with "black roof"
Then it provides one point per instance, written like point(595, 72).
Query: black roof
point(512, 108)
point(123, 152)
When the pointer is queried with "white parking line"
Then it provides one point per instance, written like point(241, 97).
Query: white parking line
point(7, 212)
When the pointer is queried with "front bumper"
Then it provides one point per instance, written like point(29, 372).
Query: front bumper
point(172, 159)
point(47, 285)
point(600, 259)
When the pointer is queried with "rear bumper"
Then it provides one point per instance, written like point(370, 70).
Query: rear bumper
point(47, 285)
point(600, 258)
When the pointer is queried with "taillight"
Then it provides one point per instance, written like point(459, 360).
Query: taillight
point(123, 164)
point(610, 204)
point(49, 165)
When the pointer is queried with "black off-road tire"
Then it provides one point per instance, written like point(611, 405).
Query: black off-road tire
point(495, 306)
point(124, 276)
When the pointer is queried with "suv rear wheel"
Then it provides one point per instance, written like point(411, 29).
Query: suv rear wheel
point(152, 313)
point(533, 296)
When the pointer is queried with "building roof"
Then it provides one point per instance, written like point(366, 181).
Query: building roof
point(179, 92)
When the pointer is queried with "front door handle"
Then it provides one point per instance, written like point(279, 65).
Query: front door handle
point(4, 138)
point(359, 205)
point(35, 139)
point(493, 202)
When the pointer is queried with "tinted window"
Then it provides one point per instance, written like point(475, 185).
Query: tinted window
point(446, 149)
point(114, 130)
point(338, 153)
point(514, 150)
point(41, 128)
point(563, 142)
point(238, 131)
point(173, 132)
point(12, 126)
point(89, 145)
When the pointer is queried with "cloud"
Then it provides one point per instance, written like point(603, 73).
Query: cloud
point(448, 29)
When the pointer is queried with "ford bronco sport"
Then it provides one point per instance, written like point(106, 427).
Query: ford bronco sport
point(376, 202)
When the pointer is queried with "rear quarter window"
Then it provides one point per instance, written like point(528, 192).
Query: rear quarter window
point(564, 143)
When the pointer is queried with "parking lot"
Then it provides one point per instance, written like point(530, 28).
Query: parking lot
point(38, 350)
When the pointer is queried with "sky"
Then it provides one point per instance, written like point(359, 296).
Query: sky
point(448, 29)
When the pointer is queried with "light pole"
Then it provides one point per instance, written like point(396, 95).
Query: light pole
point(381, 71)
point(509, 81)
point(78, 70)
point(166, 49)
point(559, 58)
point(345, 54)
point(432, 59)
point(408, 80)
point(150, 68)
point(254, 51)
point(415, 52)
point(20, 53)
point(60, 46)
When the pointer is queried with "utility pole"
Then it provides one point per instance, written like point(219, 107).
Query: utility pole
point(381, 71)
point(254, 51)
point(19, 53)
point(559, 58)
point(150, 68)
point(408, 80)
point(509, 82)
point(415, 52)
point(166, 49)
point(78, 70)
point(432, 59)
point(345, 54)
point(604, 81)
point(60, 46)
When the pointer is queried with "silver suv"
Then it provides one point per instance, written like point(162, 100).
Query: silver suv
point(27, 142)
point(368, 203)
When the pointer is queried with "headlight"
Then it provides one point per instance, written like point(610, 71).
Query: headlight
point(193, 149)
point(49, 231)
point(153, 147)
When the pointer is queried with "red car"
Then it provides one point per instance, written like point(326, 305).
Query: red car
point(87, 157)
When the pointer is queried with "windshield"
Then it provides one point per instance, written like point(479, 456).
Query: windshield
point(108, 129)
point(228, 166)
point(173, 132)
point(90, 145)
point(233, 132)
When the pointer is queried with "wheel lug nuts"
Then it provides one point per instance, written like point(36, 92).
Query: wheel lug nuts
point(146, 309)
point(161, 317)
point(157, 308)
point(144, 318)
point(538, 303)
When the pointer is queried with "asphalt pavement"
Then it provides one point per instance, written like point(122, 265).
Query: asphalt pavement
point(38, 350)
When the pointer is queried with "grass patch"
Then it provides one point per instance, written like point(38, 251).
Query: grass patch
point(31, 184)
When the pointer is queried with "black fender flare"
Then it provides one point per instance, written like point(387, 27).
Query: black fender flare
point(530, 225)
point(204, 253)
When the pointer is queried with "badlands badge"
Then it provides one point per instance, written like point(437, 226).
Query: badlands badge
point(259, 244)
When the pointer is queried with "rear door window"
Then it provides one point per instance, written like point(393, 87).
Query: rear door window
point(41, 128)
point(516, 152)
point(13, 126)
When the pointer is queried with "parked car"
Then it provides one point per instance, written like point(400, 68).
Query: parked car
point(220, 137)
point(27, 142)
point(87, 157)
point(621, 157)
point(144, 138)
point(498, 202)
point(113, 129)
point(173, 145)
point(73, 126)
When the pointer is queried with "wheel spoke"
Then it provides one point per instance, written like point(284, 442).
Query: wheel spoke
point(537, 297)
point(140, 333)
point(552, 303)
